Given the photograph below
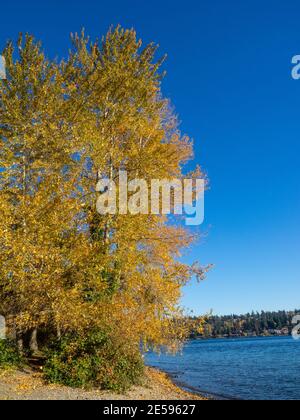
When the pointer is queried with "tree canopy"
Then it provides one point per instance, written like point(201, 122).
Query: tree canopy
point(63, 266)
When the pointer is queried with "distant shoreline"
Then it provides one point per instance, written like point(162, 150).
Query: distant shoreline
point(254, 324)
point(233, 337)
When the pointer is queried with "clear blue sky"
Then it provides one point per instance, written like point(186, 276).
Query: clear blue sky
point(229, 66)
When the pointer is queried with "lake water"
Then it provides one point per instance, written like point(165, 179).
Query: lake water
point(254, 368)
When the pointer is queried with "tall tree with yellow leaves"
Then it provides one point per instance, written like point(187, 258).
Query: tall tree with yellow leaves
point(63, 266)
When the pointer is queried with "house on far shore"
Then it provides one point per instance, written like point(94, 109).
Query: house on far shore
point(285, 331)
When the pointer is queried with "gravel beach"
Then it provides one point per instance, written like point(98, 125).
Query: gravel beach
point(29, 385)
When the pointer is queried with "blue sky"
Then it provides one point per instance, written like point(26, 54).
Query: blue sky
point(229, 77)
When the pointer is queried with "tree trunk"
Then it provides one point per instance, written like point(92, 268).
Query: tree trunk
point(58, 331)
point(33, 344)
point(11, 330)
point(20, 345)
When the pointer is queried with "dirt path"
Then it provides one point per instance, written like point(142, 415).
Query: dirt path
point(28, 385)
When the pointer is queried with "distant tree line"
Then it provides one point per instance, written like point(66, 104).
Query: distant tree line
point(250, 324)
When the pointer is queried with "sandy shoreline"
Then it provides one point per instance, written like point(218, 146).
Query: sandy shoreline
point(29, 385)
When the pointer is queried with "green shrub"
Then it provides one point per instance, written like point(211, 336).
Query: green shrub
point(9, 356)
point(94, 360)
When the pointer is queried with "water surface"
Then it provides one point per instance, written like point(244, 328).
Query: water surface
point(254, 368)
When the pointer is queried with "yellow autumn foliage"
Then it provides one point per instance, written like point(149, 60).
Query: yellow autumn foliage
point(63, 267)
